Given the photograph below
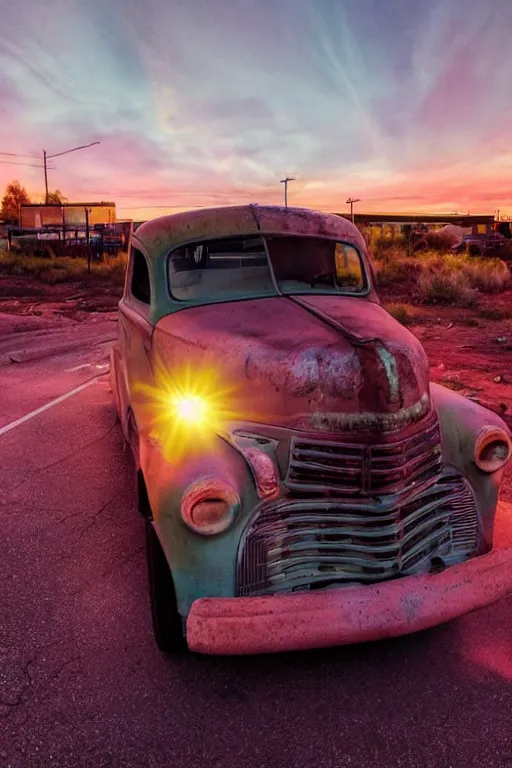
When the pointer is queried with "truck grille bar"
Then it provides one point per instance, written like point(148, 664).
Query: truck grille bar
point(392, 510)
point(353, 469)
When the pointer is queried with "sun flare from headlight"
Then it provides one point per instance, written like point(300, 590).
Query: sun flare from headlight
point(190, 409)
point(185, 409)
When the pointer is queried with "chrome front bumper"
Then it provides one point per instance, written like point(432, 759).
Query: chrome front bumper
point(319, 619)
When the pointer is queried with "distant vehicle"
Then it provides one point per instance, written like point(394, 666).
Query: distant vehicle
point(493, 244)
point(302, 483)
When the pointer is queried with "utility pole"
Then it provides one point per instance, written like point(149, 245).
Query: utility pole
point(351, 201)
point(45, 177)
point(285, 182)
point(87, 212)
point(49, 157)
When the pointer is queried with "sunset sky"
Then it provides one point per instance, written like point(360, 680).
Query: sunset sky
point(405, 104)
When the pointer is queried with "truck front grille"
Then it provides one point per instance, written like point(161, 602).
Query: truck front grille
point(297, 544)
point(352, 469)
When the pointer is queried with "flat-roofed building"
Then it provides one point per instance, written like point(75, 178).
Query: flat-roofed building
point(478, 224)
point(67, 215)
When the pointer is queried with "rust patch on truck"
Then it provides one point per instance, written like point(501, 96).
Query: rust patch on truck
point(333, 372)
point(380, 422)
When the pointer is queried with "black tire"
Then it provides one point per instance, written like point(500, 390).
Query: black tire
point(167, 623)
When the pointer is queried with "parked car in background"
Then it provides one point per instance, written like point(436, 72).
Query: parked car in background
point(301, 481)
point(493, 244)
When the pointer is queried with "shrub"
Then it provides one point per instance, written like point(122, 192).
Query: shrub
point(62, 269)
point(489, 275)
point(396, 268)
point(442, 277)
point(435, 241)
point(400, 312)
point(446, 287)
point(390, 272)
point(382, 247)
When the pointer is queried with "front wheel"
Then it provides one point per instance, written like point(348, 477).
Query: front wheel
point(167, 623)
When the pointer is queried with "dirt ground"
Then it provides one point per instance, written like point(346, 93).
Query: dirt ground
point(467, 351)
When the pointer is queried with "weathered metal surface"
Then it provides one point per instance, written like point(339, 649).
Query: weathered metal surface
point(324, 618)
point(264, 470)
point(160, 235)
point(308, 543)
point(369, 467)
point(461, 422)
point(350, 484)
point(299, 370)
point(218, 501)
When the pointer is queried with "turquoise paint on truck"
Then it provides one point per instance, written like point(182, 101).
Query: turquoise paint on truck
point(371, 469)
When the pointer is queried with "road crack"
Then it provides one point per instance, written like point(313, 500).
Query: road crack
point(63, 459)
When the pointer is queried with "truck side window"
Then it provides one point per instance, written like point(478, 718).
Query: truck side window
point(140, 287)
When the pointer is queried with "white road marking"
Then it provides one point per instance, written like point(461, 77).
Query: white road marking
point(86, 365)
point(78, 367)
point(51, 404)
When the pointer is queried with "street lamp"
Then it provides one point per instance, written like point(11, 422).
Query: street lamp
point(48, 157)
point(285, 182)
point(351, 201)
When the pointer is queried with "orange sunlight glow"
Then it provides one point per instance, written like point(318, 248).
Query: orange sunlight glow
point(185, 410)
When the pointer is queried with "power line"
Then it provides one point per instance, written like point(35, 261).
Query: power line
point(84, 146)
point(27, 165)
point(59, 154)
point(14, 154)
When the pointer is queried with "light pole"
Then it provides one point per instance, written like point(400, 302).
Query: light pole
point(49, 157)
point(87, 238)
point(45, 177)
point(285, 182)
point(351, 201)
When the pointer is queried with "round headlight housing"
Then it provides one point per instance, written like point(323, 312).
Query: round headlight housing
point(209, 506)
point(493, 449)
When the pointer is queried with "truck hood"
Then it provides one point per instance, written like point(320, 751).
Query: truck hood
point(316, 363)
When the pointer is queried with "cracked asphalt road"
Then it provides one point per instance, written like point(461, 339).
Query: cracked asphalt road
point(81, 682)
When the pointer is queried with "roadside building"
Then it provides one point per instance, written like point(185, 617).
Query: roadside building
point(398, 223)
point(67, 215)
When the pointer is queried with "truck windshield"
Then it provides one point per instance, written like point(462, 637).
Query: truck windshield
point(218, 270)
point(315, 265)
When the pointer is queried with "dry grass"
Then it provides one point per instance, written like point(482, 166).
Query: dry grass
point(437, 241)
point(440, 277)
point(488, 275)
point(446, 287)
point(61, 270)
point(400, 312)
point(380, 245)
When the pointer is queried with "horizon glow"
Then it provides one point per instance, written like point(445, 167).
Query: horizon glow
point(407, 106)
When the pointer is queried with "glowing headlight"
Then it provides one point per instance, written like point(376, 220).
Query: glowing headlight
point(209, 506)
point(186, 408)
point(190, 409)
point(493, 449)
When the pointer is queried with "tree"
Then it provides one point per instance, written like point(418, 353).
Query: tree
point(15, 195)
point(56, 198)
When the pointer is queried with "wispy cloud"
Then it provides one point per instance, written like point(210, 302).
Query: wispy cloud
point(199, 103)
